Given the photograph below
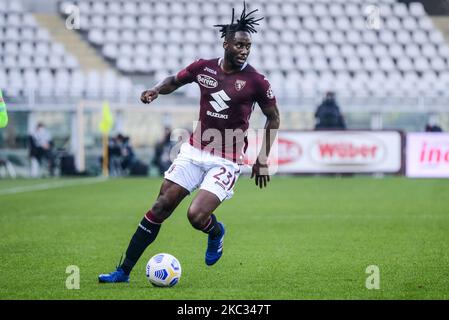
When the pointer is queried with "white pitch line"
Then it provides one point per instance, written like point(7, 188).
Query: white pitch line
point(51, 185)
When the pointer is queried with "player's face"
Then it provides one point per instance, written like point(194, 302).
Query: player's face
point(237, 49)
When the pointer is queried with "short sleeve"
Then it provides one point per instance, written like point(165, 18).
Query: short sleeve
point(264, 94)
point(189, 73)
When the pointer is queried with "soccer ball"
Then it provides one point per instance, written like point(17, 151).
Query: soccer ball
point(163, 270)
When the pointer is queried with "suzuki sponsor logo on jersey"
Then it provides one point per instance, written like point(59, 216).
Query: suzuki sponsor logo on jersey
point(220, 99)
point(348, 149)
point(210, 70)
point(207, 81)
point(216, 115)
point(239, 84)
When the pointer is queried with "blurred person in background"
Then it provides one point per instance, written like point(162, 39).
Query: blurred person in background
point(162, 149)
point(127, 156)
point(121, 156)
point(432, 124)
point(328, 115)
point(433, 128)
point(41, 150)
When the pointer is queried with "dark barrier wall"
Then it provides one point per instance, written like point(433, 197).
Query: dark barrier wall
point(433, 7)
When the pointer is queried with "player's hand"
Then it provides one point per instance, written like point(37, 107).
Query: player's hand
point(149, 95)
point(260, 174)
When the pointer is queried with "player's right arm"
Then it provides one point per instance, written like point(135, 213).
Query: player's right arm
point(166, 86)
point(171, 83)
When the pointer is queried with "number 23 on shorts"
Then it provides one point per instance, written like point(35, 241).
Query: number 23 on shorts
point(225, 178)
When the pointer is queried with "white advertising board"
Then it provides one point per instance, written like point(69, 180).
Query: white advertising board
point(334, 151)
point(427, 155)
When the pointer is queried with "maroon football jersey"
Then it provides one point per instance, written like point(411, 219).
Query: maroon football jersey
point(226, 104)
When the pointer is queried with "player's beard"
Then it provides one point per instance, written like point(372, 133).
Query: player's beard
point(234, 60)
point(241, 61)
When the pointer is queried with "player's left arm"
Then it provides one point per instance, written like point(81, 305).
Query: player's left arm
point(260, 167)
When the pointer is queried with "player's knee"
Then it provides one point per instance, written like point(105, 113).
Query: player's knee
point(197, 217)
point(162, 208)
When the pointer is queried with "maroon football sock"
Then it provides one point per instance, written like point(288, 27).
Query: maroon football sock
point(212, 227)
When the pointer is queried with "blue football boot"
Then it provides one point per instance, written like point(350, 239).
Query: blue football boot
point(116, 276)
point(215, 247)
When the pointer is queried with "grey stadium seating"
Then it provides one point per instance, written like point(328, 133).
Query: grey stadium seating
point(304, 47)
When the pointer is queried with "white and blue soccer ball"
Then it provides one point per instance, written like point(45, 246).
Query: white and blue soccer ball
point(163, 270)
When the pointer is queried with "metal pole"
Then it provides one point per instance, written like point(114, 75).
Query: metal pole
point(80, 156)
point(376, 121)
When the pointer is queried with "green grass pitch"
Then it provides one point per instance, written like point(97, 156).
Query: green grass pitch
point(301, 238)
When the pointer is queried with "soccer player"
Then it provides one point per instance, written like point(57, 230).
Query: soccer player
point(3, 112)
point(211, 159)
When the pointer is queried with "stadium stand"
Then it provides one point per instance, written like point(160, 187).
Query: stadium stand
point(32, 63)
point(304, 47)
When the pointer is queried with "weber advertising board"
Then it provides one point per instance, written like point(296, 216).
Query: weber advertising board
point(336, 151)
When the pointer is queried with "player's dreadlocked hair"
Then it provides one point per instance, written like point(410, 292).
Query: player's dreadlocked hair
point(245, 23)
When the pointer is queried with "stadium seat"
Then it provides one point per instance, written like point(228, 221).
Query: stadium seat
point(354, 64)
point(425, 23)
point(410, 23)
point(403, 37)
point(412, 50)
point(348, 50)
point(97, 21)
point(416, 9)
point(129, 8)
point(436, 37)
point(400, 9)
point(404, 64)
point(420, 37)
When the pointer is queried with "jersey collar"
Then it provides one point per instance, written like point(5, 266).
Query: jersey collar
point(243, 67)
